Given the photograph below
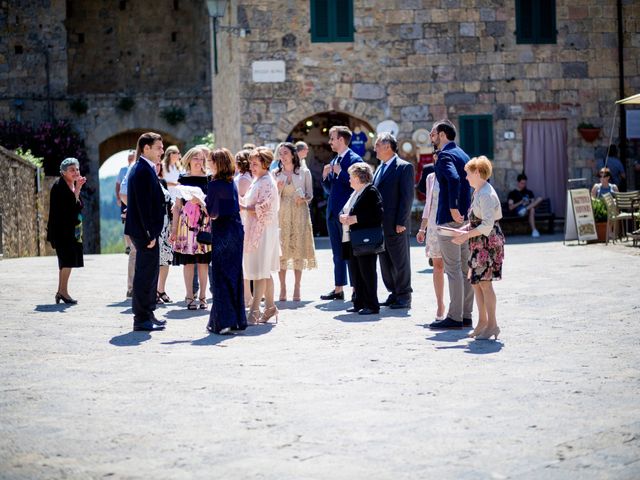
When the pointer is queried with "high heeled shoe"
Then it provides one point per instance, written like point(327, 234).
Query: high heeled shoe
point(191, 303)
point(268, 313)
point(69, 300)
point(254, 317)
point(488, 333)
point(479, 330)
point(203, 303)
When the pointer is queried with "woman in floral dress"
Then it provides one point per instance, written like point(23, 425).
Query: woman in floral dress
point(486, 245)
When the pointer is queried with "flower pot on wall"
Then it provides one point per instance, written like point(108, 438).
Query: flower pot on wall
point(589, 134)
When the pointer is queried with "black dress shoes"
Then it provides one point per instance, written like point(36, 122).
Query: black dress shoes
point(389, 301)
point(467, 322)
point(368, 311)
point(353, 310)
point(398, 304)
point(333, 295)
point(147, 326)
point(158, 322)
point(446, 324)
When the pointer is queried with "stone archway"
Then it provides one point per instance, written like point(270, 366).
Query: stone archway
point(314, 131)
point(128, 140)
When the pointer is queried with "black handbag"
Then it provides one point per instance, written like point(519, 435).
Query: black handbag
point(203, 237)
point(367, 241)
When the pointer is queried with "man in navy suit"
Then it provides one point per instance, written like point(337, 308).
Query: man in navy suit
point(453, 208)
point(144, 223)
point(335, 181)
point(394, 181)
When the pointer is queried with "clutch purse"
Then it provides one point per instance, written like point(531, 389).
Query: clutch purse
point(203, 237)
point(367, 241)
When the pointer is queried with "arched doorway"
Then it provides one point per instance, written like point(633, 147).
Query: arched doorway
point(111, 229)
point(314, 131)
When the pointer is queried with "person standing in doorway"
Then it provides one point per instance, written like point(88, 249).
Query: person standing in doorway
point(394, 181)
point(453, 206)
point(145, 218)
point(335, 181)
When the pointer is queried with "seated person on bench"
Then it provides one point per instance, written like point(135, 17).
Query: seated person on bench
point(522, 202)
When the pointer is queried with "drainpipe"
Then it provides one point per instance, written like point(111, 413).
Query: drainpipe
point(631, 181)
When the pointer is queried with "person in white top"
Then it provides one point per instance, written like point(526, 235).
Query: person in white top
point(486, 245)
point(172, 169)
point(243, 181)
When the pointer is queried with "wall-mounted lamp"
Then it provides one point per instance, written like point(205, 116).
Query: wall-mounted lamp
point(217, 9)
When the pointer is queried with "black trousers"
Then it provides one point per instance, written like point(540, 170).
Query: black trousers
point(364, 279)
point(395, 265)
point(145, 280)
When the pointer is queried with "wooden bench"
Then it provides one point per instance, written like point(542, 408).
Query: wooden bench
point(513, 224)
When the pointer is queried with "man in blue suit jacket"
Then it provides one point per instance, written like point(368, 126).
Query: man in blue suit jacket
point(453, 208)
point(335, 181)
point(394, 181)
point(145, 216)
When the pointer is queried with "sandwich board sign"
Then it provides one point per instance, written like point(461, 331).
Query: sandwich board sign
point(579, 222)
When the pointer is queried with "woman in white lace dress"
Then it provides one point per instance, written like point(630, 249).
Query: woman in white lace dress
point(429, 234)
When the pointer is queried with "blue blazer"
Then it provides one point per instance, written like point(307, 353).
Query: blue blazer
point(396, 187)
point(145, 203)
point(455, 191)
point(337, 186)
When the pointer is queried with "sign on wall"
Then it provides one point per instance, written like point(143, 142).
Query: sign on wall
point(268, 71)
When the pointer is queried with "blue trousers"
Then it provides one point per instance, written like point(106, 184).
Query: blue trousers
point(334, 227)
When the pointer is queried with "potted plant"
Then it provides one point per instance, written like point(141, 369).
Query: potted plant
point(600, 218)
point(588, 131)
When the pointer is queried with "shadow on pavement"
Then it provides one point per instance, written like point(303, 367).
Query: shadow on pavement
point(333, 306)
point(123, 303)
point(477, 347)
point(291, 305)
point(52, 307)
point(183, 314)
point(448, 335)
point(130, 339)
point(356, 318)
point(256, 330)
point(394, 313)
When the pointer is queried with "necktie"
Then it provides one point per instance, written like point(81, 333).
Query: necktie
point(336, 161)
point(379, 173)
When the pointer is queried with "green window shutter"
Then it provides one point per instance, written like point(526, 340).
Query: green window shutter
point(319, 20)
point(476, 135)
point(329, 26)
point(535, 21)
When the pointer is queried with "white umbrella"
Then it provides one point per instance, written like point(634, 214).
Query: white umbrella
point(632, 100)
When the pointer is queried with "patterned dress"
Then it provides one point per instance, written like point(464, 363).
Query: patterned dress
point(166, 251)
point(486, 253)
point(296, 232)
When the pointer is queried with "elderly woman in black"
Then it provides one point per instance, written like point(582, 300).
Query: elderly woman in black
point(64, 228)
point(363, 210)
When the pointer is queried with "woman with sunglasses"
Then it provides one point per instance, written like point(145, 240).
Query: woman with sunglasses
point(599, 189)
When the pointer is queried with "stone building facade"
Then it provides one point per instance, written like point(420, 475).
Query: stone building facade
point(416, 61)
point(78, 60)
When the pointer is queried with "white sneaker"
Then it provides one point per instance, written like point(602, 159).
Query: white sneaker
point(535, 233)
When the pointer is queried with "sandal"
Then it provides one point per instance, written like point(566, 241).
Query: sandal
point(203, 303)
point(191, 304)
point(254, 317)
point(164, 297)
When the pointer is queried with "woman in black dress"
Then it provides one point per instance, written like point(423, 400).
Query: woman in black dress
point(64, 228)
point(227, 310)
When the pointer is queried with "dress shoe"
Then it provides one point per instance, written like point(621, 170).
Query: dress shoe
point(333, 295)
point(398, 304)
point(129, 293)
point(160, 323)
point(368, 311)
point(390, 300)
point(353, 310)
point(62, 298)
point(446, 324)
point(488, 333)
point(147, 326)
point(467, 322)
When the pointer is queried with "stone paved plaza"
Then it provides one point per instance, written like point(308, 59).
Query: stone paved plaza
point(326, 394)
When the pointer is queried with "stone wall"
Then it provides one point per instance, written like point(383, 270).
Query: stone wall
point(415, 61)
point(21, 207)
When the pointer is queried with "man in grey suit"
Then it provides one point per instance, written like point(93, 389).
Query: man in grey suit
point(394, 180)
point(453, 207)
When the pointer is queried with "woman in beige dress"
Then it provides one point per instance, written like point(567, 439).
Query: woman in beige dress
point(296, 233)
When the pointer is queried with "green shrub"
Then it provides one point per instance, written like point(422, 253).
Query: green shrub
point(599, 210)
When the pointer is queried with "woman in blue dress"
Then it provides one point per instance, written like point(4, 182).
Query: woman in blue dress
point(227, 310)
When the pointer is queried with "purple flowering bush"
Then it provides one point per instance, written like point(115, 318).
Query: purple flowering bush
point(53, 141)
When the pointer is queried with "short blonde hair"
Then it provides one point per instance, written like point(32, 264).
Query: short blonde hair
point(362, 171)
point(480, 164)
point(263, 154)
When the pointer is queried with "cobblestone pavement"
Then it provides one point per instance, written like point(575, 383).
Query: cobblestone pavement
point(326, 394)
